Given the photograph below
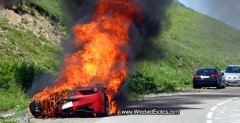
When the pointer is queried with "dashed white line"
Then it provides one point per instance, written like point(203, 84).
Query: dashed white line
point(209, 115)
point(235, 98)
point(221, 103)
point(228, 100)
point(214, 108)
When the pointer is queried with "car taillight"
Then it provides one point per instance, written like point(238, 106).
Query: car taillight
point(196, 76)
point(214, 75)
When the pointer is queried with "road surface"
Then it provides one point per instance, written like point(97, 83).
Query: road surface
point(209, 106)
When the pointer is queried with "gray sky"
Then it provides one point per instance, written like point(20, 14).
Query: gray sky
point(227, 11)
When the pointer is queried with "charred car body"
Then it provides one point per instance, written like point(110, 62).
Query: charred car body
point(84, 100)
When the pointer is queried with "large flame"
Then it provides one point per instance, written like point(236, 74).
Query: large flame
point(103, 44)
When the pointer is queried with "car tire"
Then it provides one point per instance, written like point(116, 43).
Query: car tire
point(227, 84)
point(219, 86)
point(35, 108)
point(223, 85)
point(106, 109)
point(195, 86)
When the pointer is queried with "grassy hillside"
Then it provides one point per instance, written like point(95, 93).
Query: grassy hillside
point(20, 44)
point(193, 41)
point(22, 56)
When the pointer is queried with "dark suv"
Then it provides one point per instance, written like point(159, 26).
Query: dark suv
point(208, 77)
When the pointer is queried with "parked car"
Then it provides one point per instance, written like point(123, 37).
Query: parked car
point(208, 77)
point(84, 100)
point(231, 75)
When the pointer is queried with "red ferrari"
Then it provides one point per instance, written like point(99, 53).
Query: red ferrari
point(85, 100)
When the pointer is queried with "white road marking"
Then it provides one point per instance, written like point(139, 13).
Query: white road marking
point(221, 103)
point(228, 100)
point(229, 117)
point(235, 98)
point(209, 115)
point(214, 108)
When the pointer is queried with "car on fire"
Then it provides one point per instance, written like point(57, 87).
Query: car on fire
point(208, 77)
point(231, 75)
point(84, 100)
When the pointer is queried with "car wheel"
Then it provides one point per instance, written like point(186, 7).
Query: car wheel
point(218, 86)
point(106, 109)
point(227, 84)
point(223, 85)
point(195, 86)
point(35, 108)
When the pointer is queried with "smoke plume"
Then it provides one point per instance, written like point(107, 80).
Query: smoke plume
point(141, 34)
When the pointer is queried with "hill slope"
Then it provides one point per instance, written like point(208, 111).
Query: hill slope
point(29, 44)
point(193, 41)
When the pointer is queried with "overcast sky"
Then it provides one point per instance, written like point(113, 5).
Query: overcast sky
point(227, 11)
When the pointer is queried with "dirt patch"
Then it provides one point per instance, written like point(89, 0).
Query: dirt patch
point(36, 24)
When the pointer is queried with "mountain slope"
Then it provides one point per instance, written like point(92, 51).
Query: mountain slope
point(192, 41)
point(29, 46)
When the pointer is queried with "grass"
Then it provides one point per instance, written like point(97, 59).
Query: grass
point(55, 11)
point(54, 7)
point(193, 41)
point(16, 78)
point(22, 55)
point(19, 44)
point(11, 99)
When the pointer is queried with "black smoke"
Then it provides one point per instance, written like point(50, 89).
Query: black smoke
point(142, 34)
point(155, 20)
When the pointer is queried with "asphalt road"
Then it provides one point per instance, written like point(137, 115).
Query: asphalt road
point(209, 106)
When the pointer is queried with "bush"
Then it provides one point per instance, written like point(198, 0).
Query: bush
point(17, 73)
point(24, 75)
point(141, 84)
point(167, 87)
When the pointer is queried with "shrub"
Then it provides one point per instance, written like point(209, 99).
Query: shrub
point(141, 84)
point(16, 73)
point(167, 87)
point(24, 75)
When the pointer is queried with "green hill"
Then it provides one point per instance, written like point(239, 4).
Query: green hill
point(29, 45)
point(192, 41)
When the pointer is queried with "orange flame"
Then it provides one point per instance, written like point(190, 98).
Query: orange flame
point(104, 51)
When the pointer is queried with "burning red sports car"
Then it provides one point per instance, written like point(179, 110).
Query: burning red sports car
point(80, 101)
point(101, 51)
